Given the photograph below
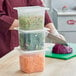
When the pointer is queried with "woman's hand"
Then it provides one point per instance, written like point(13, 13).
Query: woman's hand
point(53, 30)
point(14, 25)
point(62, 37)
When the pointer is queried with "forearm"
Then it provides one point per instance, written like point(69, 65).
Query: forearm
point(52, 28)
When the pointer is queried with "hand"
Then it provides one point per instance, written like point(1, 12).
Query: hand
point(59, 36)
point(54, 31)
point(62, 37)
point(14, 25)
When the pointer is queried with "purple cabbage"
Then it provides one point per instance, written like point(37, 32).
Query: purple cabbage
point(61, 49)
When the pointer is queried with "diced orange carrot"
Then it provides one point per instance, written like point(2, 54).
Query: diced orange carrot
point(30, 63)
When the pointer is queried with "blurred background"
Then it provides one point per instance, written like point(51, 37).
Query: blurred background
point(63, 13)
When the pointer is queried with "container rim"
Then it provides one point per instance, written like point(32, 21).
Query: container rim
point(30, 7)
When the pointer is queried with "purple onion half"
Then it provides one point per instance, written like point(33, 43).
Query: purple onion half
point(61, 49)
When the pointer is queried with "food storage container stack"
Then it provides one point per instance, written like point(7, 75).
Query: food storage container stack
point(31, 38)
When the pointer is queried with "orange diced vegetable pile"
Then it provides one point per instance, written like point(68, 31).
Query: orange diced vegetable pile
point(30, 63)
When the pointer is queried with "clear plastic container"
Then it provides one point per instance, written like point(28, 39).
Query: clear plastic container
point(31, 18)
point(31, 62)
point(31, 40)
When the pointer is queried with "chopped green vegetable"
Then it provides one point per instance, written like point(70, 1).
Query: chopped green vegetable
point(31, 41)
point(31, 22)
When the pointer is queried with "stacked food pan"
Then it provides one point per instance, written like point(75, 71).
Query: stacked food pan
point(31, 38)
